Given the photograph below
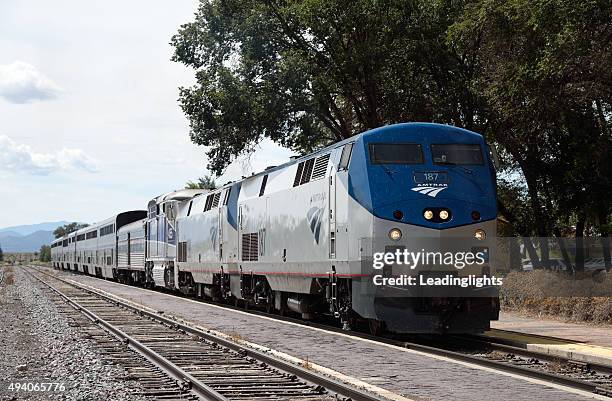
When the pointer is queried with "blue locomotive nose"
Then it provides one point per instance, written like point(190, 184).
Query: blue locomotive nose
point(429, 175)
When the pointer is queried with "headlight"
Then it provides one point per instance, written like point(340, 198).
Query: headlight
point(480, 235)
point(395, 234)
point(443, 214)
point(428, 214)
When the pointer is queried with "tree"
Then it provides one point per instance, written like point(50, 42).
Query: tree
point(544, 70)
point(1, 254)
point(206, 182)
point(305, 74)
point(45, 253)
point(68, 228)
point(532, 76)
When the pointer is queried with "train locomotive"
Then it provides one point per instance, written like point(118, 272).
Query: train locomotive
point(293, 238)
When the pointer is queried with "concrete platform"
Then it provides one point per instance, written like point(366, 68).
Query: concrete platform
point(397, 371)
point(580, 342)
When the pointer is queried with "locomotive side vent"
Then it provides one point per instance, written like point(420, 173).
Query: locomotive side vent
point(215, 201)
point(182, 252)
point(245, 246)
point(298, 174)
point(250, 247)
point(311, 169)
point(320, 167)
point(254, 246)
point(308, 166)
point(209, 201)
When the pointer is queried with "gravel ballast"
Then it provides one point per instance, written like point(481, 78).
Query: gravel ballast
point(37, 345)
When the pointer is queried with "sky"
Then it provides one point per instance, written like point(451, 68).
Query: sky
point(90, 124)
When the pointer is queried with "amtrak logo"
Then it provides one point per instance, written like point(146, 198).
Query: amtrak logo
point(171, 235)
point(314, 216)
point(430, 190)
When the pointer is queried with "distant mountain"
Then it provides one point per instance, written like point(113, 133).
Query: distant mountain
point(32, 228)
point(9, 234)
point(26, 243)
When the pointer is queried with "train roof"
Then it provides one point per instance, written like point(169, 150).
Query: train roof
point(118, 219)
point(179, 195)
point(373, 132)
point(131, 226)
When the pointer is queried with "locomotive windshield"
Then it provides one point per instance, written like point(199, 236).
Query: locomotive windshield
point(456, 154)
point(396, 153)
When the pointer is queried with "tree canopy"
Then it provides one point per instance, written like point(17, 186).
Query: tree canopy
point(206, 182)
point(68, 228)
point(307, 73)
point(45, 253)
point(534, 77)
point(544, 71)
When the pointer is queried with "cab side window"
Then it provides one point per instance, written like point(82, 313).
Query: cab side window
point(345, 158)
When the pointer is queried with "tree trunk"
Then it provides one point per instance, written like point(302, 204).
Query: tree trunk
point(564, 253)
point(605, 240)
point(508, 215)
point(531, 251)
point(529, 247)
point(514, 251)
point(580, 242)
point(541, 222)
point(544, 251)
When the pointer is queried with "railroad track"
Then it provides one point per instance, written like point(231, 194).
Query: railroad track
point(516, 349)
point(485, 352)
point(174, 361)
point(591, 377)
point(153, 382)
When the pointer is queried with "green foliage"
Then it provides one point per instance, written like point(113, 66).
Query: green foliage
point(67, 229)
point(544, 70)
point(45, 253)
point(1, 254)
point(533, 76)
point(206, 182)
point(307, 73)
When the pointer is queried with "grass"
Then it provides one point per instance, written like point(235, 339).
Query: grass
point(235, 336)
point(306, 364)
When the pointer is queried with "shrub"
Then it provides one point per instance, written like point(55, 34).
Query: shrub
point(558, 294)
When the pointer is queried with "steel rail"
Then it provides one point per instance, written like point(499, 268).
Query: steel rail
point(196, 386)
point(453, 355)
point(347, 390)
point(520, 349)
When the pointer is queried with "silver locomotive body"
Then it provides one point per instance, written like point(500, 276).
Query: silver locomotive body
point(294, 237)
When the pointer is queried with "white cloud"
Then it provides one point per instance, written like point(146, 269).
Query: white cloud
point(22, 83)
point(122, 109)
point(21, 158)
